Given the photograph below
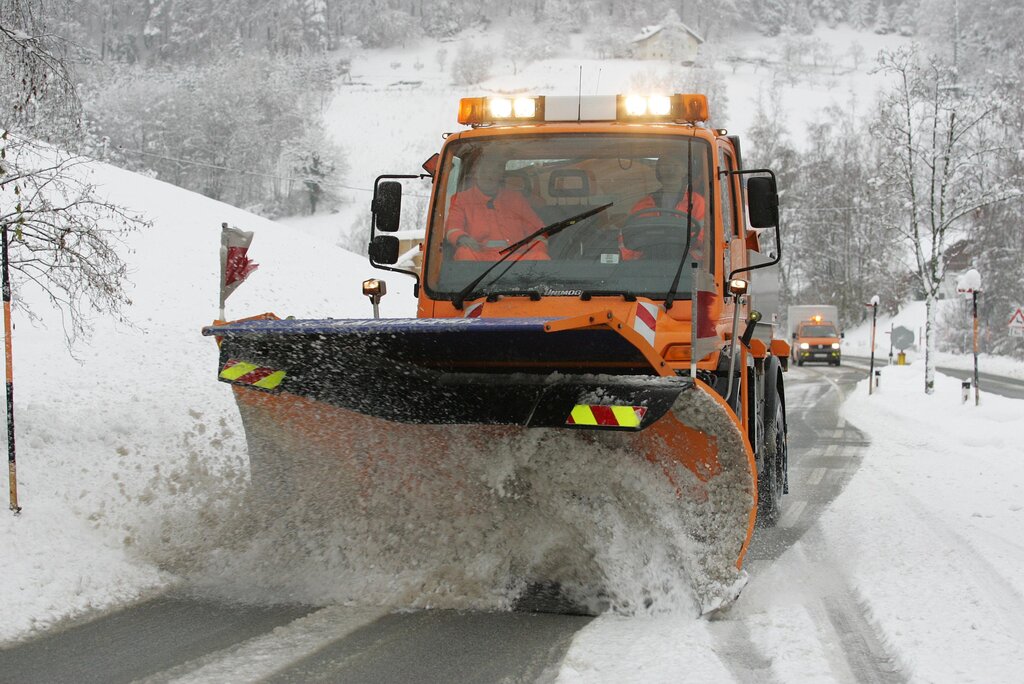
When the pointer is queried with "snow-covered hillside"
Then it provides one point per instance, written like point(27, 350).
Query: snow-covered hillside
point(132, 437)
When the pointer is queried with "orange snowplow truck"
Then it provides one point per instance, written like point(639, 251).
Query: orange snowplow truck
point(586, 275)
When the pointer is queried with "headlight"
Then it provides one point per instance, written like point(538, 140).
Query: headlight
point(804, 345)
point(835, 345)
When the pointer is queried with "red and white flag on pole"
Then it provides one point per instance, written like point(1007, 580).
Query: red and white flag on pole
point(235, 265)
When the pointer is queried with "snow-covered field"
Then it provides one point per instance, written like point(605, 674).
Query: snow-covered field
point(131, 449)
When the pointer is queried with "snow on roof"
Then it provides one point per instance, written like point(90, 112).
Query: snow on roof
point(649, 31)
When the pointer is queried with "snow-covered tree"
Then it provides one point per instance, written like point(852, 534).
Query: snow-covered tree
point(938, 151)
point(882, 21)
point(378, 25)
point(802, 21)
point(857, 14)
point(63, 235)
point(770, 16)
point(445, 18)
point(318, 164)
point(471, 64)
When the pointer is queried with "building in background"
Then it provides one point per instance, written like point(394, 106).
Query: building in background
point(673, 41)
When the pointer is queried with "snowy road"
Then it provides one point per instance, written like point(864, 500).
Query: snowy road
point(188, 640)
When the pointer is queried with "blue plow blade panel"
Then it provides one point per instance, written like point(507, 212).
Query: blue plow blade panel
point(452, 371)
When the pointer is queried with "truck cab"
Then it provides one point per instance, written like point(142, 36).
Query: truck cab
point(622, 228)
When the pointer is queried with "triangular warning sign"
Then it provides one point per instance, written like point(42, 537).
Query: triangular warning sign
point(1017, 319)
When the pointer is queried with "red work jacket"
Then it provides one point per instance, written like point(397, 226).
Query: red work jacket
point(648, 206)
point(493, 222)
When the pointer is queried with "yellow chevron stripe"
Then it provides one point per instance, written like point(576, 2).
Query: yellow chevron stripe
point(271, 381)
point(582, 415)
point(626, 416)
point(238, 370)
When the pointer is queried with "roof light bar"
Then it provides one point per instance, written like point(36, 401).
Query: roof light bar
point(678, 108)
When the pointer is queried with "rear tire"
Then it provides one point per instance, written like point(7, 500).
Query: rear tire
point(771, 483)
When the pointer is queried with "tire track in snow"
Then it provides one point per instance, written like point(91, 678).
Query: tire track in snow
point(828, 453)
point(737, 651)
point(858, 650)
point(978, 571)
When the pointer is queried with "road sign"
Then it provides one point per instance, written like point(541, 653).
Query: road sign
point(1017, 323)
point(902, 338)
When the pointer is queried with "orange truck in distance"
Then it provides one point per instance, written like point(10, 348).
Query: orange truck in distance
point(814, 334)
point(584, 292)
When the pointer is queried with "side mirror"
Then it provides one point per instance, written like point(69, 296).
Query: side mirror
point(387, 207)
point(384, 249)
point(842, 336)
point(763, 202)
point(794, 336)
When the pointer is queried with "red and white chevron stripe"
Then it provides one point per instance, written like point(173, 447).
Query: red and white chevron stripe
point(646, 320)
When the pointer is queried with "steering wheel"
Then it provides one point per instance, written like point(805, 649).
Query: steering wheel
point(653, 230)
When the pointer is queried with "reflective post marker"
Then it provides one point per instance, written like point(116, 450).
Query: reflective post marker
point(872, 379)
point(977, 392)
point(11, 461)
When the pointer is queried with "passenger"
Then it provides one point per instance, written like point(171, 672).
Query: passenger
point(671, 173)
point(486, 218)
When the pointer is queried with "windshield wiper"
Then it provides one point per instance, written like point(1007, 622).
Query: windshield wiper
point(547, 231)
point(671, 294)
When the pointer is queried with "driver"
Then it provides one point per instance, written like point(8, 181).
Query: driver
point(487, 217)
point(673, 195)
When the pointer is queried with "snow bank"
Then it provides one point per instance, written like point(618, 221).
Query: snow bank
point(930, 526)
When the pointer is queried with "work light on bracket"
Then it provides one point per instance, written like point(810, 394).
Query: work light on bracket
point(644, 105)
point(681, 107)
point(509, 108)
point(499, 109)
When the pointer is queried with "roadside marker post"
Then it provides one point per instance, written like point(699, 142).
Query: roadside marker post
point(12, 466)
point(970, 284)
point(872, 376)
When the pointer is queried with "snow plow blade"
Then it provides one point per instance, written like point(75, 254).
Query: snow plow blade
point(489, 372)
point(423, 399)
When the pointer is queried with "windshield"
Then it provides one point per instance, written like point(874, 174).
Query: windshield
point(494, 192)
point(818, 331)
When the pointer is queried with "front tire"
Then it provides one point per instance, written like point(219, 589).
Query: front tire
point(772, 481)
